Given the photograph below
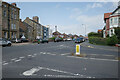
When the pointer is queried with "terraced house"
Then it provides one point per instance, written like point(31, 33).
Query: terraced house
point(10, 20)
point(37, 27)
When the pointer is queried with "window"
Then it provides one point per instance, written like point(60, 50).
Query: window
point(5, 13)
point(15, 10)
point(14, 26)
point(5, 34)
point(12, 15)
point(5, 5)
point(15, 16)
point(111, 21)
point(115, 20)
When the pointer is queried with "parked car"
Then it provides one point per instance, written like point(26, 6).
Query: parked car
point(58, 39)
point(15, 40)
point(5, 42)
point(79, 40)
point(42, 41)
point(69, 39)
point(24, 40)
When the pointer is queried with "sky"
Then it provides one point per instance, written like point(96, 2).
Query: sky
point(68, 16)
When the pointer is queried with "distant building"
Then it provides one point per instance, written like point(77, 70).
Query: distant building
point(45, 31)
point(56, 34)
point(99, 31)
point(37, 27)
point(25, 30)
point(0, 19)
point(10, 20)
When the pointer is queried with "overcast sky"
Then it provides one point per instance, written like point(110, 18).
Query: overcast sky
point(68, 16)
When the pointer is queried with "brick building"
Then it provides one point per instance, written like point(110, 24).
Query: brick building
point(10, 20)
point(112, 20)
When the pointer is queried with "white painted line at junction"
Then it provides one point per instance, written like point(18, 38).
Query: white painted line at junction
point(29, 55)
point(92, 58)
point(18, 60)
point(13, 59)
point(5, 64)
point(34, 54)
point(22, 57)
point(65, 54)
point(32, 72)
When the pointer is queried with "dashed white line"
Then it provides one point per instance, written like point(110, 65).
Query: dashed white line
point(92, 58)
point(18, 60)
point(13, 59)
point(22, 57)
point(65, 54)
point(5, 64)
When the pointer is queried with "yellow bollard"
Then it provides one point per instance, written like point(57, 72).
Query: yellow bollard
point(77, 49)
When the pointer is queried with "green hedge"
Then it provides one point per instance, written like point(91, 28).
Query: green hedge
point(104, 41)
point(98, 40)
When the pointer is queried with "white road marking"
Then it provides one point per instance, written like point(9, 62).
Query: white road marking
point(13, 59)
point(22, 57)
point(18, 60)
point(5, 64)
point(65, 54)
point(31, 71)
point(92, 58)
point(29, 55)
point(34, 70)
point(34, 54)
point(63, 76)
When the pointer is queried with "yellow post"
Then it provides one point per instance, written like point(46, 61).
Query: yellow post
point(77, 49)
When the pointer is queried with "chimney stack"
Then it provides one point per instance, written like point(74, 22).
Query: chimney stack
point(14, 4)
point(36, 19)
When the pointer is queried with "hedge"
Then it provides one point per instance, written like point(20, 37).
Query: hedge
point(104, 41)
point(98, 40)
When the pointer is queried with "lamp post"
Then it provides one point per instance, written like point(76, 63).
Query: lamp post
point(85, 29)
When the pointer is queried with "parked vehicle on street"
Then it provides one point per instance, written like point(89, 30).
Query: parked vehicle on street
point(79, 40)
point(69, 39)
point(24, 40)
point(15, 40)
point(58, 39)
point(5, 42)
point(42, 41)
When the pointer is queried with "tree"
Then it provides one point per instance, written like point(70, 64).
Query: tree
point(94, 34)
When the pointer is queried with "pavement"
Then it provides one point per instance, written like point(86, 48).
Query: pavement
point(54, 60)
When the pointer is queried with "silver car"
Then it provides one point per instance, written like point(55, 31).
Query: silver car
point(5, 42)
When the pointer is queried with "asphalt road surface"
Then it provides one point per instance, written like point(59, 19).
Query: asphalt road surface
point(54, 60)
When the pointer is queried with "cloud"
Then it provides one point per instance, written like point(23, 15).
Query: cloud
point(92, 23)
point(94, 5)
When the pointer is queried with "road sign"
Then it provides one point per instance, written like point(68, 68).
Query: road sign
point(77, 49)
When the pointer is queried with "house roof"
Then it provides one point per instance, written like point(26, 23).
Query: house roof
point(106, 15)
point(56, 33)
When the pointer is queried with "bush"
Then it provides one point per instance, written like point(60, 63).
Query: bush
point(112, 40)
point(94, 34)
point(98, 40)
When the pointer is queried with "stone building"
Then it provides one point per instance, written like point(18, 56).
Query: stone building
point(25, 30)
point(10, 20)
point(37, 27)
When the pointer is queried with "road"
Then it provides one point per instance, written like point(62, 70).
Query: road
point(54, 60)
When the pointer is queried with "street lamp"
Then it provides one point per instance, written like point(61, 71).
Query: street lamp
point(85, 29)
